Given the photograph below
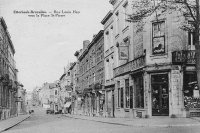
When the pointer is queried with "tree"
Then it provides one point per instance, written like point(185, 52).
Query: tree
point(189, 9)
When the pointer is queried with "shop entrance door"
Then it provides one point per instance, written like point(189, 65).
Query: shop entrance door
point(160, 95)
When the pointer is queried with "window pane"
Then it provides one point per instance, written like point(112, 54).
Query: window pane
point(158, 29)
point(158, 45)
point(127, 92)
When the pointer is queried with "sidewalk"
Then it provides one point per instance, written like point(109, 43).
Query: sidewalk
point(158, 121)
point(11, 122)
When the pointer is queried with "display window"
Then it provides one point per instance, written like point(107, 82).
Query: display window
point(191, 91)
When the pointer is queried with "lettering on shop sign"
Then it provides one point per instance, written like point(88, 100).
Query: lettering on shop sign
point(130, 66)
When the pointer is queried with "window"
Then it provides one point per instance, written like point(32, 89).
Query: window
point(139, 101)
point(127, 93)
point(118, 101)
point(106, 34)
point(56, 92)
point(94, 77)
point(158, 37)
point(191, 41)
point(125, 14)
point(191, 91)
point(111, 36)
point(122, 97)
point(117, 24)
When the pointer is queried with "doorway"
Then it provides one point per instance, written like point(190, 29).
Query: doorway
point(160, 95)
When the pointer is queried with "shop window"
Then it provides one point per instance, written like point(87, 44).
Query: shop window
point(122, 98)
point(139, 96)
point(158, 37)
point(127, 93)
point(118, 100)
point(191, 91)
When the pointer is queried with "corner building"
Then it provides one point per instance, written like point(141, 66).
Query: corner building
point(154, 69)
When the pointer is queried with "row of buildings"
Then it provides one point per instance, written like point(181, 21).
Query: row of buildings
point(126, 72)
point(11, 100)
point(55, 96)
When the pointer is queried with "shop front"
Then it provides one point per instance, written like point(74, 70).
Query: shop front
point(129, 89)
point(99, 100)
point(190, 91)
point(191, 95)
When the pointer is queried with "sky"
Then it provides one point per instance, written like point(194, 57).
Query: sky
point(45, 45)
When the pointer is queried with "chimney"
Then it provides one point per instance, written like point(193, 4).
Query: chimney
point(85, 44)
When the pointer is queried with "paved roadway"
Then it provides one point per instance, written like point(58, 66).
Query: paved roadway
point(40, 122)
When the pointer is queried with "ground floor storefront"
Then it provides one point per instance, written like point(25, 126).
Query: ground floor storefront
point(161, 90)
point(8, 103)
point(90, 103)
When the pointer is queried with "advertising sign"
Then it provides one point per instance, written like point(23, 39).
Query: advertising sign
point(123, 52)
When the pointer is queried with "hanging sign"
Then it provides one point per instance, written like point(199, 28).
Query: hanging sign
point(123, 52)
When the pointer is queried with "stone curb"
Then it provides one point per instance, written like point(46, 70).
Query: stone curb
point(3, 130)
point(135, 125)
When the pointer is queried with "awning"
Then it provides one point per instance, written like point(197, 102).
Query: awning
point(67, 104)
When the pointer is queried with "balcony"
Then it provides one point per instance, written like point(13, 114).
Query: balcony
point(131, 66)
point(184, 57)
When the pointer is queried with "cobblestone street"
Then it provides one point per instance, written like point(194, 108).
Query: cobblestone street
point(39, 122)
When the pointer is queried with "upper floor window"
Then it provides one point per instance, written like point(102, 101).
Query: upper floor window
point(125, 14)
point(158, 37)
point(111, 36)
point(68, 73)
point(191, 41)
point(117, 24)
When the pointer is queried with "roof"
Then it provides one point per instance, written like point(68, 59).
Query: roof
point(72, 66)
point(3, 23)
point(94, 40)
point(62, 76)
point(108, 15)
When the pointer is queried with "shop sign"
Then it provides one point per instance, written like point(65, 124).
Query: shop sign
point(130, 66)
point(123, 52)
